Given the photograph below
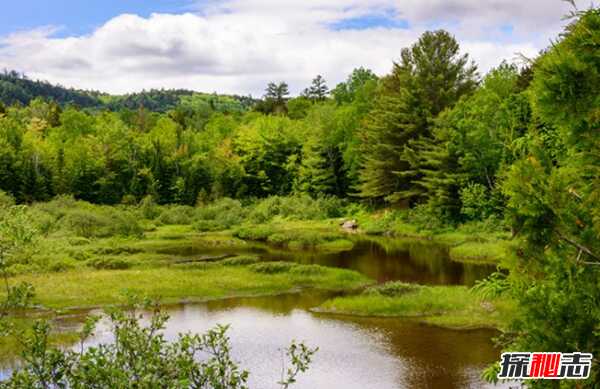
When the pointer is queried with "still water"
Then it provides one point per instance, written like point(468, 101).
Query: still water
point(353, 352)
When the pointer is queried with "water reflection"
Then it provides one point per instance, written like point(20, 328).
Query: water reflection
point(387, 259)
point(353, 352)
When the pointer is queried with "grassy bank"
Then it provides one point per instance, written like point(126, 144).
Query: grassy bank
point(475, 241)
point(192, 281)
point(448, 306)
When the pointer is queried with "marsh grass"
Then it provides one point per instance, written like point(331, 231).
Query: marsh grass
point(479, 251)
point(84, 288)
point(447, 306)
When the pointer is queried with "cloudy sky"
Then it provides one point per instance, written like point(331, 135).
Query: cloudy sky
point(237, 46)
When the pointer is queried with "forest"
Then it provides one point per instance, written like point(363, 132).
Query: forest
point(503, 167)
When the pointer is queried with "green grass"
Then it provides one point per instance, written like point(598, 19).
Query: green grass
point(447, 306)
point(479, 251)
point(88, 288)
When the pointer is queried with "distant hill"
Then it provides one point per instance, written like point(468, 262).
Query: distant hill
point(17, 88)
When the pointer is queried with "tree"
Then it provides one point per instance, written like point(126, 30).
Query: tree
point(318, 90)
point(554, 203)
point(471, 143)
point(430, 77)
point(345, 92)
point(275, 98)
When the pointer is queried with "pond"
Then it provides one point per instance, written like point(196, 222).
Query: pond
point(353, 352)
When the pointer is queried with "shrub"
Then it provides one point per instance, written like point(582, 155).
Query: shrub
point(148, 208)
point(6, 200)
point(124, 223)
point(220, 215)
point(129, 200)
point(85, 223)
point(176, 214)
point(476, 202)
point(140, 356)
point(207, 225)
point(256, 233)
point(299, 207)
point(61, 265)
point(97, 222)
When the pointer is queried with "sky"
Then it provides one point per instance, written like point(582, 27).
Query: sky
point(238, 46)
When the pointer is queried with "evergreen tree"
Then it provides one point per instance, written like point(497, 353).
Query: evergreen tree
point(318, 90)
point(275, 98)
point(555, 203)
point(430, 77)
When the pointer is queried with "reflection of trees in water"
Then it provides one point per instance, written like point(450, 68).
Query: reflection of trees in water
point(386, 259)
point(436, 357)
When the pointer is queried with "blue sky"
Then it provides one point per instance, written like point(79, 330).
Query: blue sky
point(77, 17)
point(238, 46)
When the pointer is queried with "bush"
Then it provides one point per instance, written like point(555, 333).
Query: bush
point(62, 265)
point(427, 217)
point(299, 207)
point(476, 202)
point(139, 357)
point(207, 225)
point(176, 214)
point(97, 222)
point(148, 208)
point(125, 223)
point(256, 233)
point(220, 215)
point(6, 200)
point(85, 223)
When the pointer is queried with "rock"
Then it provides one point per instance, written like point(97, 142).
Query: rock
point(350, 224)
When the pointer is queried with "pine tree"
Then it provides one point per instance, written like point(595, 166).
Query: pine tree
point(275, 97)
point(430, 77)
point(318, 90)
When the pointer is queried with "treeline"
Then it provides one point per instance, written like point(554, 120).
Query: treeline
point(18, 89)
point(431, 134)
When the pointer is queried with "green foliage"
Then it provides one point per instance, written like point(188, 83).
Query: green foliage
point(476, 202)
point(318, 89)
point(176, 214)
point(141, 357)
point(220, 215)
point(553, 202)
point(299, 207)
point(6, 200)
point(430, 77)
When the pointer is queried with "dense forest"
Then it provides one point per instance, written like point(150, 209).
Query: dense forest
point(516, 148)
point(18, 89)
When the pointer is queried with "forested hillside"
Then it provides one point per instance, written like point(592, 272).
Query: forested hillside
point(16, 88)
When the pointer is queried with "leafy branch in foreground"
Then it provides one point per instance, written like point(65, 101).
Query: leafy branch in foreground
point(140, 357)
point(16, 233)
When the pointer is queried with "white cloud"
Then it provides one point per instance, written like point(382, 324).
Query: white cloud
point(238, 46)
